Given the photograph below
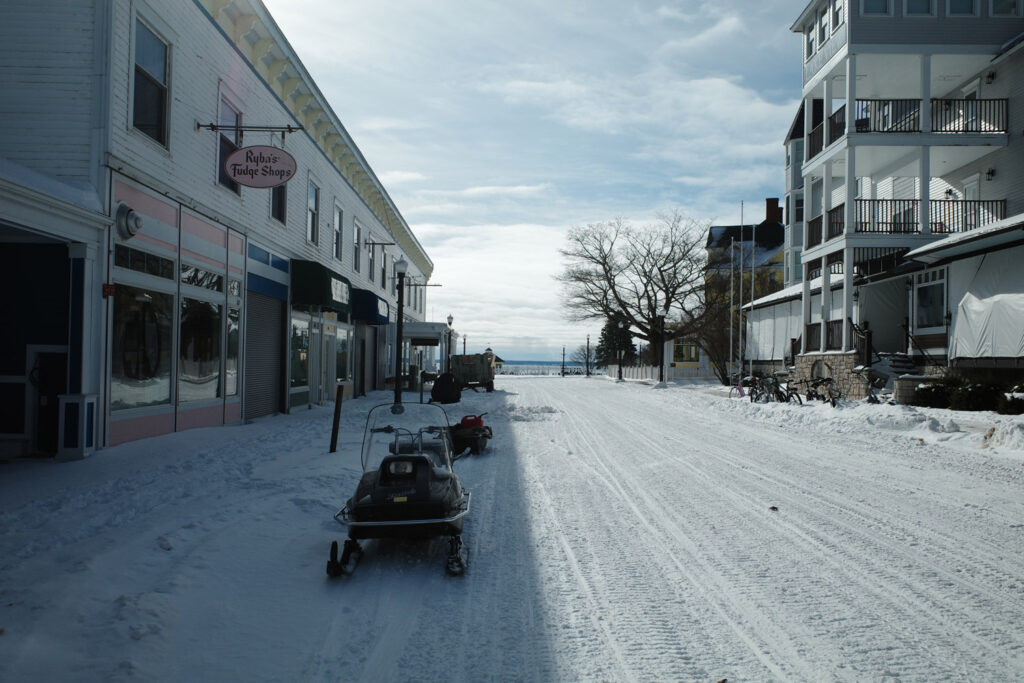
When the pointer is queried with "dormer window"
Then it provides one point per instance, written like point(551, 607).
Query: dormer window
point(962, 8)
point(919, 8)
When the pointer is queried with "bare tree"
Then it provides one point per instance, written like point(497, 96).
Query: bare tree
point(581, 357)
point(641, 276)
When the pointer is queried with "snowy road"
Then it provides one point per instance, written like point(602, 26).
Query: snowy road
point(618, 532)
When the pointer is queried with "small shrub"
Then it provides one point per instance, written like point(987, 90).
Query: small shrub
point(933, 395)
point(975, 397)
point(1011, 403)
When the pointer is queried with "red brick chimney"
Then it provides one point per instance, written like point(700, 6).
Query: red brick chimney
point(772, 210)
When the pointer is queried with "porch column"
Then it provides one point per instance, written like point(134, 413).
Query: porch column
point(805, 309)
point(926, 93)
point(826, 302)
point(850, 208)
point(851, 94)
point(924, 190)
point(826, 111)
point(847, 297)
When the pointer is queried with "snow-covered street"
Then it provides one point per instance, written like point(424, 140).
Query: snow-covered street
point(618, 532)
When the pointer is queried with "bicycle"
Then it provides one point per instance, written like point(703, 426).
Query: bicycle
point(823, 389)
point(873, 380)
point(737, 391)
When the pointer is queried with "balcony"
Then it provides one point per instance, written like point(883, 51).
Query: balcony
point(970, 116)
point(949, 116)
point(902, 217)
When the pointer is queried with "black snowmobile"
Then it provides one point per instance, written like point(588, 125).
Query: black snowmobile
point(408, 488)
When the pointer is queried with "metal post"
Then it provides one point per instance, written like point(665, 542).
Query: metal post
point(337, 418)
point(586, 361)
point(400, 270)
point(563, 361)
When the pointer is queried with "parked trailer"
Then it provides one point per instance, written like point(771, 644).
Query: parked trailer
point(474, 370)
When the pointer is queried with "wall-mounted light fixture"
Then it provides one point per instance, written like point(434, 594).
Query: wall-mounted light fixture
point(990, 76)
point(950, 193)
point(856, 294)
point(990, 174)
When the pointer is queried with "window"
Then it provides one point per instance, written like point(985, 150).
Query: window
point(1005, 8)
point(920, 8)
point(300, 353)
point(962, 8)
point(357, 239)
point(313, 214)
point(875, 7)
point(837, 14)
point(798, 209)
point(342, 368)
point(338, 222)
point(143, 262)
point(685, 352)
point(371, 260)
point(279, 203)
point(822, 28)
point(384, 268)
point(930, 299)
point(149, 106)
point(230, 140)
point(231, 352)
point(809, 42)
point(140, 372)
point(199, 352)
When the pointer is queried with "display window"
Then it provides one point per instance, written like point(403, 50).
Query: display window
point(140, 373)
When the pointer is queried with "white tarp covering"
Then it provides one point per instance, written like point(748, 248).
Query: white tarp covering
point(771, 328)
point(989, 320)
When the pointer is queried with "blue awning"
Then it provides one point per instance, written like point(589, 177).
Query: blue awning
point(369, 308)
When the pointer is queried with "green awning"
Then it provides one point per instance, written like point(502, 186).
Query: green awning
point(313, 284)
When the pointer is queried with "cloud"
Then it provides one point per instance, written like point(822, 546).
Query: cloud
point(399, 177)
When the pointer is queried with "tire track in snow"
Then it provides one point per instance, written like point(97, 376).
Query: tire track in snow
point(709, 582)
point(943, 624)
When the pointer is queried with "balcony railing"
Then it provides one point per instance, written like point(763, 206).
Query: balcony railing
point(970, 116)
point(887, 116)
point(816, 141)
point(948, 216)
point(812, 333)
point(889, 216)
point(833, 335)
point(835, 221)
point(814, 232)
point(837, 125)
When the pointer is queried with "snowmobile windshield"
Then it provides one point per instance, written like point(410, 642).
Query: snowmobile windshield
point(406, 429)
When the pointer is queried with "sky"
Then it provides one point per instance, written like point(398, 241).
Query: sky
point(497, 126)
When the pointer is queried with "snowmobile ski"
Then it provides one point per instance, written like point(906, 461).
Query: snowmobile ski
point(346, 564)
point(458, 557)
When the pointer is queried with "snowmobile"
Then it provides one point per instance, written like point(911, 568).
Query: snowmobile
point(408, 488)
point(471, 433)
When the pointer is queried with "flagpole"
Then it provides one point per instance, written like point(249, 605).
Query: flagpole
point(732, 303)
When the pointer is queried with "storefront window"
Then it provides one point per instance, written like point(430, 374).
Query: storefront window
point(300, 352)
point(231, 353)
point(199, 372)
point(342, 370)
point(140, 373)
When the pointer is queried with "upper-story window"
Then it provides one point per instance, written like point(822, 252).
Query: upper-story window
point(822, 28)
point(338, 234)
point(962, 8)
point(1005, 8)
point(149, 106)
point(357, 240)
point(837, 14)
point(384, 268)
point(279, 203)
point(313, 214)
point(876, 7)
point(809, 36)
point(230, 139)
point(371, 260)
point(919, 8)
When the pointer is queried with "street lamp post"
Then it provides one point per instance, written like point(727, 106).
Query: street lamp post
point(448, 348)
point(618, 351)
point(401, 266)
point(586, 360)
point(661, 348)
